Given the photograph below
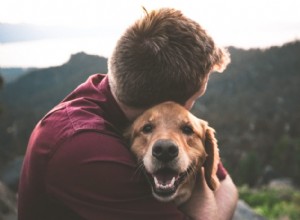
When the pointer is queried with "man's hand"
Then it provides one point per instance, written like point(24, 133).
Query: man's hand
point(206, 204)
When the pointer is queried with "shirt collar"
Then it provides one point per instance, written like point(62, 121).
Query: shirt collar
point(111, 108)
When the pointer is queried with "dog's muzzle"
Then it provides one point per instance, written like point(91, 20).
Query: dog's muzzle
point(166, 178)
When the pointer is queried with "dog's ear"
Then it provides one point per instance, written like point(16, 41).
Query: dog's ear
point(212, 159)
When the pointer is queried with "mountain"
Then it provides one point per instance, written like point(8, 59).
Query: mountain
point(27, 99)
point(11, 74)
point(254, 107)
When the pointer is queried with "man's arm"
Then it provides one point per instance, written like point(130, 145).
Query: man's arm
point(213, 205)
point(96, 177)
point(226, 197)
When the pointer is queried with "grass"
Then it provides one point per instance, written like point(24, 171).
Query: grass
point(274, 204)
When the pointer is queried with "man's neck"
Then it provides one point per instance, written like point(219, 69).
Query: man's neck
point(130, 113)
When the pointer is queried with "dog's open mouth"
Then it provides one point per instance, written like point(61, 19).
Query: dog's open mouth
point(165, 181)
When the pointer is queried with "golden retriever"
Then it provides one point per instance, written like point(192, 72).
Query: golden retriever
point(171, 145)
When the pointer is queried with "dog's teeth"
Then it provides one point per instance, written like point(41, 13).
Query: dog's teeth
point(172, 182)
point(161, 186)
point(156, 182)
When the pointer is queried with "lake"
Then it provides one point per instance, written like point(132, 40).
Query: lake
point(52, 52)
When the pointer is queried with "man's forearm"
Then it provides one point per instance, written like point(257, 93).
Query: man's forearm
point(208, 205)
point(226, 197)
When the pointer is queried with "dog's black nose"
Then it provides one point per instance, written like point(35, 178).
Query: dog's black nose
point(164, 150)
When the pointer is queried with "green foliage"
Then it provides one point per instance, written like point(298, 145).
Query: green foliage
point(1, 81)
point(249, 169)
point(273, 203)
point(251, 105)
point(1, 84)
point(286, 157)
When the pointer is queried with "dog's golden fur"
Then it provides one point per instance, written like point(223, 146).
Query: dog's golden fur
point(191, 144)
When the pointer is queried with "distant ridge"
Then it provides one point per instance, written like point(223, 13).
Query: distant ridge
point(27, 99)
point(47, 86)
point(255, 108)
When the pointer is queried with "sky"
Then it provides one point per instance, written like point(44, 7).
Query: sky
point(240, 23)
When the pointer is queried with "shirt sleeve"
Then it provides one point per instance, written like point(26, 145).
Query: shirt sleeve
point(95, 176)
point(221, 172)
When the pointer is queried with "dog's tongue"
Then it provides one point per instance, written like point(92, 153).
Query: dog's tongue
point(165, 178)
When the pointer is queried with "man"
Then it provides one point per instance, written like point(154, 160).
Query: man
point(78, 165)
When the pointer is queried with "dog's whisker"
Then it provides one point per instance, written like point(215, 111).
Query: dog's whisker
point(192, 171)
point(139, 169)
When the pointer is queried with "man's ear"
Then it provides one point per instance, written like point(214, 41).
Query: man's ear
point(221, 58)
point(212, 159)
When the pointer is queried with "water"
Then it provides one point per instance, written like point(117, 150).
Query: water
point(52, 52)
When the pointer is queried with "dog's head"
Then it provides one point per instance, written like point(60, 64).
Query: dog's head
point(172, 145)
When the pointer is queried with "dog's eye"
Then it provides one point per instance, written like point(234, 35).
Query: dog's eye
point(186, 129)
point(147, 128)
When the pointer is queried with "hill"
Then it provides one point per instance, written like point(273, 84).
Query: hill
point(254, 107)
point(27, 99)
point(11, 74)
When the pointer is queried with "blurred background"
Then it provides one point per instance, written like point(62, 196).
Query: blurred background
point(47, 48)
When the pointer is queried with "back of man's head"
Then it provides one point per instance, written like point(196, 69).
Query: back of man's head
point(164, 56)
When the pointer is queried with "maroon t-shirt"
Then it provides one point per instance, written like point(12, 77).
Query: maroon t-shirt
point(78, 166)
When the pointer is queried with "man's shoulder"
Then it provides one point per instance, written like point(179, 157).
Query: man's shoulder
point(95, 146)
point(67, 120)
point(79, 115)
point(77, 138)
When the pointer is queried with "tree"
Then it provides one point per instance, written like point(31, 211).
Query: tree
point(1, 81)
point(1, 84)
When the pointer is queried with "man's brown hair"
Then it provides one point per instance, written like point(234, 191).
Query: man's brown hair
point(164, 56)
